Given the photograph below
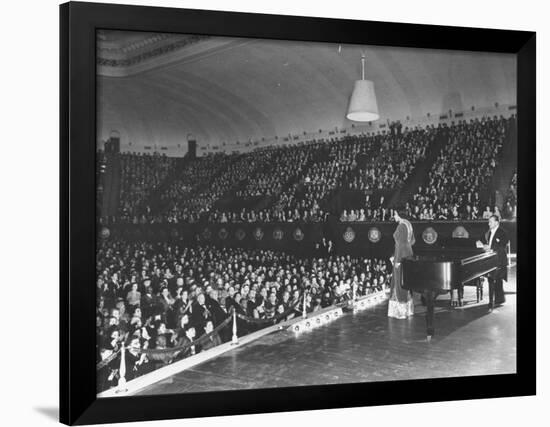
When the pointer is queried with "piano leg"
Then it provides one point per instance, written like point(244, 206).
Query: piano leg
point(454, 298)
point(457, 296)
point(480, 289)
point(429, 298)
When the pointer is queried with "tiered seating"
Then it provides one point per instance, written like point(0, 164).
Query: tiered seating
point(183, 200)
point(394, 163)
point(461, 171)
point(384, 172)
point(140, 175)
point(282, 167)
point(303, 200)
point(351, 177)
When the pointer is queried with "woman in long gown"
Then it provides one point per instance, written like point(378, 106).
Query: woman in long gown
point(401, 303)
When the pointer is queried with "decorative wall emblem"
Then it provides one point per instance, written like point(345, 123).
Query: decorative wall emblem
point(258, 233)
point(278, 234)
point(374, 235)
point(298, 234)
point(349, 235)
point(429, 236)
point(460, 233)
point(222, 234)
point(105, 233)
point(240, 233)
point(207, 234)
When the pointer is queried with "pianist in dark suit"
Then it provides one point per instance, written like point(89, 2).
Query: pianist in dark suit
point(401, 303)
point(496, 239)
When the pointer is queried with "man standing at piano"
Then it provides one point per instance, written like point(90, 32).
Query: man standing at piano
point(496, 239)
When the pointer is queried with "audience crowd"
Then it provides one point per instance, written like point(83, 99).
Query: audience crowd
point(140, 175)
point(187, 197)
point(390, 167)
point(461, 172)
point(158, 296)
point(308, 181)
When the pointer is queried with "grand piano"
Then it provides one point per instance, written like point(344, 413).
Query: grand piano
point(446, 269)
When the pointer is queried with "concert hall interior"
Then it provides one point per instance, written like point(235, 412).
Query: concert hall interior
point(280, 213)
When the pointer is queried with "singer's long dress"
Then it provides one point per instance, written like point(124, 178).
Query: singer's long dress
point(401, 303)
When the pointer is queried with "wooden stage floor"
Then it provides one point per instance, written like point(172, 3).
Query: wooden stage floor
point(366, 346)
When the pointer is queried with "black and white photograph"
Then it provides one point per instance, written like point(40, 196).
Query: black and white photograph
point(287, 213)
point(277, 213)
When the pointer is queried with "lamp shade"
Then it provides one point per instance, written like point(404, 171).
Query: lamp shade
point(362, 104)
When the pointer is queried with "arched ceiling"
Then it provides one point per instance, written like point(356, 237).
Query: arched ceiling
point(224, 90)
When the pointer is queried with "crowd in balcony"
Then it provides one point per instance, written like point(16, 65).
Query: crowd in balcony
point(184, 199)
point(302, 179)
point(385, 170)
point(140, 175)
point(308, 182)
point(390, 167)
point(462, 172)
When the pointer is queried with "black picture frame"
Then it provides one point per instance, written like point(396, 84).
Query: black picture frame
point(78, 25)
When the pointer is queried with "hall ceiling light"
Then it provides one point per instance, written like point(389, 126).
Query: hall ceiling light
point(362, 104)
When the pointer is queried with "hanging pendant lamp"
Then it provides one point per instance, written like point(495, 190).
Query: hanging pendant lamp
point(362, 104)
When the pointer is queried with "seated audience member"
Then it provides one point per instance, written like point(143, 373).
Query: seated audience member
point(134, 296)
point(344, 217)
point(213, 340)
point(487, 213)
point(137, 362)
